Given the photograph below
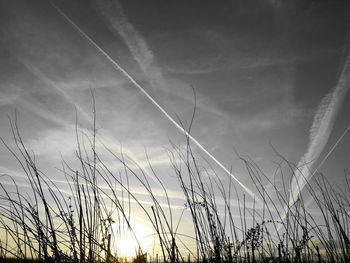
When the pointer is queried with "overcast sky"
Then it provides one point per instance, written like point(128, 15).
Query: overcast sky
point(259, 70)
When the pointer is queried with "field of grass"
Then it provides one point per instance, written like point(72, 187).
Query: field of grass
point(47, 224)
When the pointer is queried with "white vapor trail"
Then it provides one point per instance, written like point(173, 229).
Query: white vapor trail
point(320, 131)
point(160, 108)
point(113, 12)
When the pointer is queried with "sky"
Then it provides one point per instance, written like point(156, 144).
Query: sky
point(260, 72)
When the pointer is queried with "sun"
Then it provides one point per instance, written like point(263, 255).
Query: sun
point(125, 243)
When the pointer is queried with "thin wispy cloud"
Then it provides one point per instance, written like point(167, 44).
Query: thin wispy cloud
point(49, 143)
point(50, 83)
point(8, 99)
point(5, 171)
point(49, 140)
point(320, 132)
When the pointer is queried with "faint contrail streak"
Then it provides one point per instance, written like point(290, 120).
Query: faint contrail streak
point(331, 150)
point(38, 73)
point(127, 75)
point(320, 131)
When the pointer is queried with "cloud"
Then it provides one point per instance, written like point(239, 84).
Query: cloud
point(197, 51)
point(8, 99)
point(320, 131)
point(12, 173)
point(52, 84)
point(52, 102)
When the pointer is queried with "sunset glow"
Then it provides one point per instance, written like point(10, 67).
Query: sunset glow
point(124, 242)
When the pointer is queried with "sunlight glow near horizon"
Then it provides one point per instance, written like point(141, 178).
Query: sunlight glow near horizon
point(124, 243)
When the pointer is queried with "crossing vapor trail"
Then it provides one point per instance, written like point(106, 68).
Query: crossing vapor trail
point(320, 132)
point(155, 103)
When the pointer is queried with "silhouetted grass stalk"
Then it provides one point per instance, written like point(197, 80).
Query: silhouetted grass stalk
point(47, 224)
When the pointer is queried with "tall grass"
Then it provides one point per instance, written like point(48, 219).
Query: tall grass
point(51, 224)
